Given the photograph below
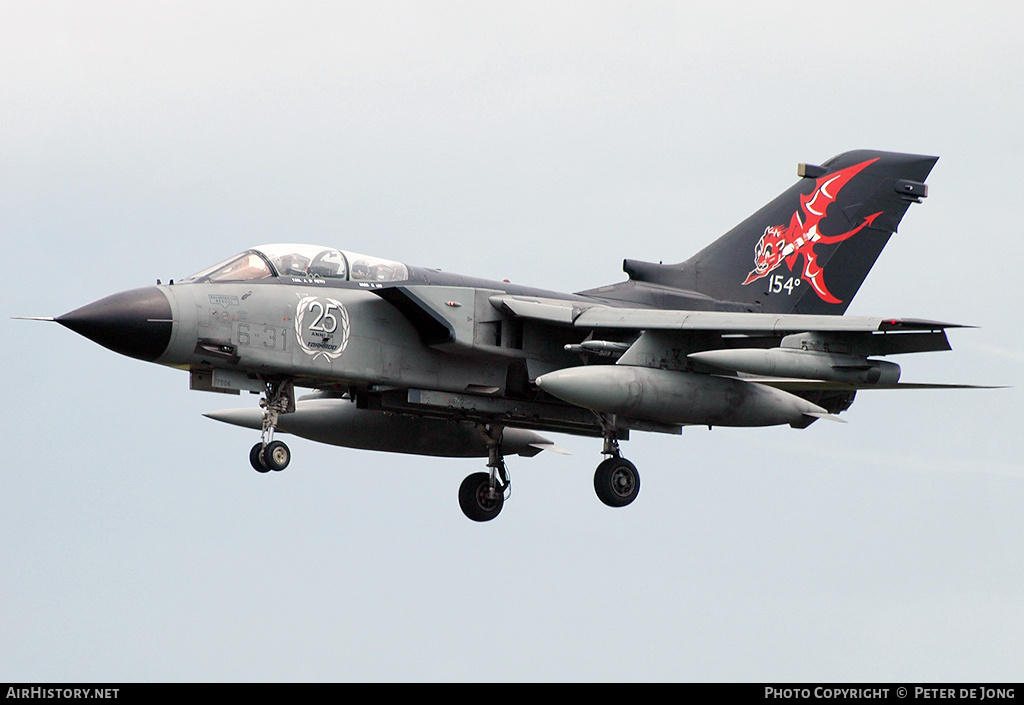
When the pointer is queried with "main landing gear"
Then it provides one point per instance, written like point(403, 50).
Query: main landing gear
point(616, 480)
point(482, 494)
point(268, 454)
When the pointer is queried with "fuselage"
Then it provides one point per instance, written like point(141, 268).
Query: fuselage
point(321, 317)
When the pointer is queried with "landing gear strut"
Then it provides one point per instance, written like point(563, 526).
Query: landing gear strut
point(482, 494)
point(268, 454)
point(616, 480)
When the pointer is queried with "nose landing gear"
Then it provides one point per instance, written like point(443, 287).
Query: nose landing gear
point(268, 454)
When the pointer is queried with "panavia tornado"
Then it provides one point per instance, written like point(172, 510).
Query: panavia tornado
point(749, 331)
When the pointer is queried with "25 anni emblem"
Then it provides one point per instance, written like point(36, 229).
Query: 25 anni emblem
point(321, 326)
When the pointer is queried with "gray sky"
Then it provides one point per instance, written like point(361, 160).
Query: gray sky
point(542, 143)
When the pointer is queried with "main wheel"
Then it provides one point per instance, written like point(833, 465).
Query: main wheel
point(476, 499)
point(617, 482)
point(256, 458)
point(276, 455)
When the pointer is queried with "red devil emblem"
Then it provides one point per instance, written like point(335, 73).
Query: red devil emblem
point(784, 243)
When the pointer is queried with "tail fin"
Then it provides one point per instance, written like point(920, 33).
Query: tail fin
point(809, 250)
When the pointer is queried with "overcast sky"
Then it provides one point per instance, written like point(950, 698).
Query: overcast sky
point(541, 143)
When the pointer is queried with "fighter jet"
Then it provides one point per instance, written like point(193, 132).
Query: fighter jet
point(749, 332)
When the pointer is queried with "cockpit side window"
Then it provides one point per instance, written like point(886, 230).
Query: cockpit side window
point(330, 264)
point(306, 261)
point(373, 269)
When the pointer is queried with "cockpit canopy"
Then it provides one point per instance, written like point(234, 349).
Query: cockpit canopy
point(303, 261)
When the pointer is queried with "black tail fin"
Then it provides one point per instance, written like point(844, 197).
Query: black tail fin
point(809, 250)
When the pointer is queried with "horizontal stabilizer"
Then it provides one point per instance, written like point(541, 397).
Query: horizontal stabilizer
point(806, 385)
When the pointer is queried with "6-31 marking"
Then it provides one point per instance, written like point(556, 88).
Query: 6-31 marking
point(269, 337)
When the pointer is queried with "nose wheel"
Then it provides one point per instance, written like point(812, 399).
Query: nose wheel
point(272, 456)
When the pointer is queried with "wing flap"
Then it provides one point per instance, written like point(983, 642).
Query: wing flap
point(752, 323)
point(600, 316)
point(861, 334)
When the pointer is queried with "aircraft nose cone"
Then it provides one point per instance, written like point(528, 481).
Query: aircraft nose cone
point(136, 323)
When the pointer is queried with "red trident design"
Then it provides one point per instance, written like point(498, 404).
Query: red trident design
point(781, 243)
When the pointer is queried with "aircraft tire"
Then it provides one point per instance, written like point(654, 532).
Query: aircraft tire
point(474, 500)
point(616, 482)
point(276, 456)
point(256, 458)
